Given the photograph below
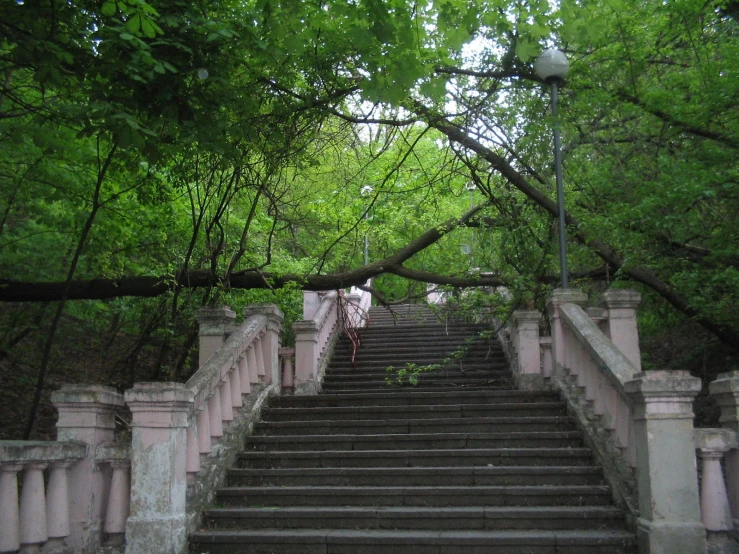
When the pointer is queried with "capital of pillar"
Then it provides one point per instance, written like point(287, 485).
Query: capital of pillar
point(526, 318)
point(663, 394)
point(160, 405)
point(565, 296)
point(275, 316)
point(621, 299)
point(215, 321)
point(86, 412)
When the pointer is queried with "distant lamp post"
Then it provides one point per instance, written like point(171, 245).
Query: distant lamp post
point(552, 66)
point(366, 190)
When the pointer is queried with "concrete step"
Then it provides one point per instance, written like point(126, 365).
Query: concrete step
point(425, 380)
point(459, 518)
point(488, 457)
point(413, 397)
point(496, 385)
point(352, 541)
point(418, 476)
point(570, 495)
point(522, 409)
point(417, 441)
point(435, 425)
point(359, 373)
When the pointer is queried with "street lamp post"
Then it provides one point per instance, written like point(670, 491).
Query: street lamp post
point(366, 191)
point(552, 66)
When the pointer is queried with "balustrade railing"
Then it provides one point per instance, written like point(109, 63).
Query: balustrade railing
point(41, 516)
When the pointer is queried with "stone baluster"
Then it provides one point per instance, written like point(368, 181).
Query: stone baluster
point(622, 328)
point(86, 413)
point(288, 372)
point(244, 378)
point(236, 401)
point(215, 423)
point(665, 462)
point(251, 362)
point(158, 467)
point(259, 356)
point(547, 362)
point(526, 326)
point(118, 502)
point(57, 506)
point(202, 420)
point(270, 342)
point(215, 326)
point(9, 515)
point(725, 390)
point(712, 444)
point(33, 508)
point(224, 389)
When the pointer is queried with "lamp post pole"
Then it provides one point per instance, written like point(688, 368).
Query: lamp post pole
point(560, 190)
point(366, 191)
point(552, 66)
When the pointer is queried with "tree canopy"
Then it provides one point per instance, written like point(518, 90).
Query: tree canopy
point(160, 148)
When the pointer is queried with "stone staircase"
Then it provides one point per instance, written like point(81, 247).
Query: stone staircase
point(461, 462)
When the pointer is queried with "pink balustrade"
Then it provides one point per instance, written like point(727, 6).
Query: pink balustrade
point(74, 491)
point(325, 316)
point(640, 424)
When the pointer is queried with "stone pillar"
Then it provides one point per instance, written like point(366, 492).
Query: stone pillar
point(547, 363)
point(669, 506)
point(158, 460)
point(725, 390)
point(559, 297)
point(622, 328)
point(311, 303)
point(86, 414)
point(271, 339)
point(215, 325)
point(526, 326)
point(306, 357)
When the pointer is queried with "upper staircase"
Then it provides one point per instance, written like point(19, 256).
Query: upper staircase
point(460, 462)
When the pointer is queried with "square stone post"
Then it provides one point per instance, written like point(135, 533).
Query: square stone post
point(622, 328)
point(311, 303)
point(215, 326)
point(669, 503)
point(559, 297)
point(86, 414)
point(526, 326)
point(271, 339)
point(725, 390)
point(158, 478)
point(306, 356)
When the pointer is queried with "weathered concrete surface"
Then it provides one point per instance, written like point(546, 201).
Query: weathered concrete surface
point(158, 478)
point(670, 518)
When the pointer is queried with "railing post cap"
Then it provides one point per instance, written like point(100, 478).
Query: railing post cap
point(663, 383)
point(715, 440)
point(87, 395)
point(286, 351)
point(305, 326)
point(178, 395)
point(214, 321)
point(621, 298)
point(526, 316)
point(566, 296)
point(725, 383)
point(272, 311)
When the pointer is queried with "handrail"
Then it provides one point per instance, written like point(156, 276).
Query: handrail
point(203, 382)
point(612, 362)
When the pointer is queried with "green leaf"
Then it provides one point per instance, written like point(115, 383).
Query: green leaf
point(109, 9)
point(134, 23)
